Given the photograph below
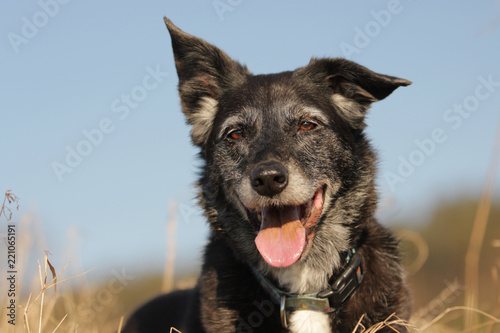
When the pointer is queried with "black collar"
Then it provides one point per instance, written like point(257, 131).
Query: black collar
point(328, 300)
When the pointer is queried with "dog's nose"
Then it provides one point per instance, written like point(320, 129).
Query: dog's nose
point(269, 178)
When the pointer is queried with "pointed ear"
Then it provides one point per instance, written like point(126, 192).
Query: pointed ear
point(205, 72)
point(353, 87)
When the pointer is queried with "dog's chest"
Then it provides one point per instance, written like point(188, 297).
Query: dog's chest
point(301, 279)
point(309, 322)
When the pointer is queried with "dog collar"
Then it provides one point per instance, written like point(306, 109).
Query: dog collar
point(328, 300)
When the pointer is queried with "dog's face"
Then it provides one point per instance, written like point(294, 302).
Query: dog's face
point(283, 152)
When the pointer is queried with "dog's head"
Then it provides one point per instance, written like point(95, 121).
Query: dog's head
point(288, 169)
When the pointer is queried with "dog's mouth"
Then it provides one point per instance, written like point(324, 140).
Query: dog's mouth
point(284, 232)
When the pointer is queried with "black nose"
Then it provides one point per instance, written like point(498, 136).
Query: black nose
point(269, 178)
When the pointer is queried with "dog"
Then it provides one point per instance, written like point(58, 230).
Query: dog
point(288, 189)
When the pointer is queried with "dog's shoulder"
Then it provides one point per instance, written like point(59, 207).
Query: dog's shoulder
point(177, 306)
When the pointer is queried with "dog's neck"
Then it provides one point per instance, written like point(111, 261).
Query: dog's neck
point(339, 289)
point(301, 278)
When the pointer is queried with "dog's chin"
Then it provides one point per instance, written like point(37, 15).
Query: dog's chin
point(286, 233)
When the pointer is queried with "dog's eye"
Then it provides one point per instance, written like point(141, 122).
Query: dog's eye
point(235, 135)
point(307, 126)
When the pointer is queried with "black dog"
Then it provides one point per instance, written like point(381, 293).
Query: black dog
point(288, 190)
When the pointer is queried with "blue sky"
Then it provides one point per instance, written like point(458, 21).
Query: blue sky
point(97, 79)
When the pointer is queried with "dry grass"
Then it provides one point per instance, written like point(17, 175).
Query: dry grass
point(45, 302)
point(477, 237)
point(45, 285)
point(392, 322)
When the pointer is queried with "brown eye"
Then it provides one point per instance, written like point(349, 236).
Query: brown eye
point(236, 134)
point(307, 126)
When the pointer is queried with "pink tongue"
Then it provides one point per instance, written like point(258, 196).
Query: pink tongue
point(282, 238)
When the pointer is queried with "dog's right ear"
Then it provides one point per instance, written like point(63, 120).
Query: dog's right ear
point(205, 72)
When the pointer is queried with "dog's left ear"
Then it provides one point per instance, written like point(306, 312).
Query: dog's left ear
point(353, 87)
point(205, 72)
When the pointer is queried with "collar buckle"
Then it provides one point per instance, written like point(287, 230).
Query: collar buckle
point(346, 284)
point(283, 314)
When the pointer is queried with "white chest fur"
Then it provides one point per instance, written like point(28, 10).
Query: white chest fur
point(300, 279)
point(309, 322)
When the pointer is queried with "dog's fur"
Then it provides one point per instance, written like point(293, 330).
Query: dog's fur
point(307, 126)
